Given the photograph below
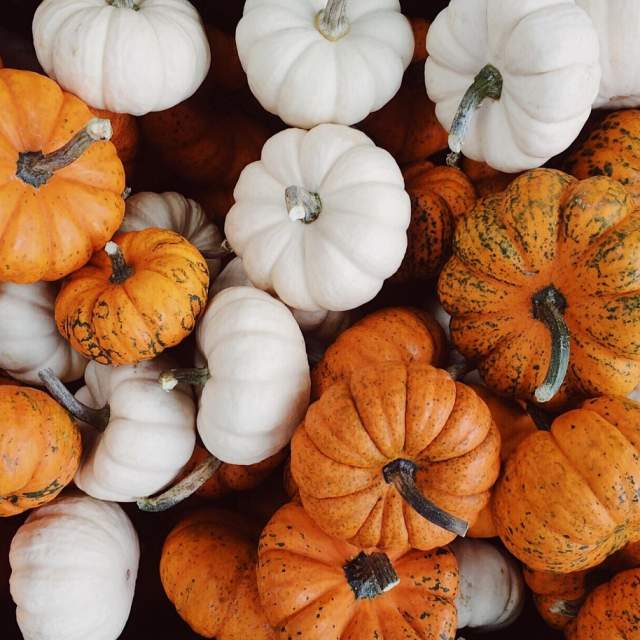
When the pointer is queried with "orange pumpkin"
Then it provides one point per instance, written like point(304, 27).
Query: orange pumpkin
point(315, 587)
point(39, 449)
point(397, 334)
point(486, 179)
point(64, 200)
point(439, 197)
point(125, 138)
point(226, 73)
point(207, 569)
point(568, 497)
point(420, 28)
point(386, 459)
point(135, 298)
point(542, 288)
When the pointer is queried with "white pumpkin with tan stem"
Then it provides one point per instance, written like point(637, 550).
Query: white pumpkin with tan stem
point(321, 219)
point(74, 564)
point(127, 56)
point(513, 82)
point(29, 338)
point(315, 61)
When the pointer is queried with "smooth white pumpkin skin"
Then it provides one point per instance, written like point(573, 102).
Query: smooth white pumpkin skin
point(307, 79)
point(121, 59)
point(618, 26)
point(259, 387)
point(74, 564)
point(339, 261)
point(171, 210)
point(29, 338)
point(548, 54)
point(150, 436)
point(491, 590)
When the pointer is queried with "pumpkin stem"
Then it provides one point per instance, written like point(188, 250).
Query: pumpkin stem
point(370, 575)
point(332, 21)
point(183, 489)
point(548, 306)
point(401, 474)
point(171, 378)
point(487, 84)
point(302, 204)
point(121, 271)
point(35, 168)
point(124, 4)
point(97, 418)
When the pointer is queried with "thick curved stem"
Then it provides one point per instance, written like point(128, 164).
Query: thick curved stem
point(171, 378)
point(36, 168)
point(370, 575)
point(183, 489)
point(332, 21)
point(121, 271)
point(487, 84)
point(302, 204)
point(402, 475)
point(548, 306)
point(97, 418)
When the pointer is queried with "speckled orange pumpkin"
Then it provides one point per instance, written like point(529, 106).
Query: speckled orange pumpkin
point(315, 587)
point(139, 296)
point(543, 287)
point(39, 449)
point(207, 570)
point(372, 452)
point(568, 497)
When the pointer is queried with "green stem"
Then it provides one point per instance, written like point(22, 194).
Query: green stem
point(370, 575)
point(171, 378)
point(302, 204)
point(487, 84)
point(121, 271)
point(124, 4)
point(332, 21)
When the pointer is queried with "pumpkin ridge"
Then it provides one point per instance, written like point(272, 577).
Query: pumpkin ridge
point(12, 214)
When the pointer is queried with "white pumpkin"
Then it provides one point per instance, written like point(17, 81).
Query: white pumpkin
point(29, 338)
point(259, 384)
point(618, 25)
point(173, 211)
point(534, 66)
point(127, 56)
point(491, 591)
point(316, 61)
point(321, 219)
point(74, 564)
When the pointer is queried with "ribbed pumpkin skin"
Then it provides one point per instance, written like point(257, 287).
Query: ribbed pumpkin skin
point(611, 611)
point(40, 449)
point(152, 310)
point(396, 334)
point(48, 232)
point(612, 149)
point(547, 229)
point(207, 570)
point(568, 497)
point(439, 197)
point(389, 412)
point(305, 593)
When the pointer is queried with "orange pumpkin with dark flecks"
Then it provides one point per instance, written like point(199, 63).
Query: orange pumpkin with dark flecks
point(396, 334)
point(439, 197)
point(398, 455)
point(543, 288)
point(486, 179)
point(40, 449)
point(61, 182)
point(316, 587)
point(142, 294)
point(125, 138)
point(207, 569)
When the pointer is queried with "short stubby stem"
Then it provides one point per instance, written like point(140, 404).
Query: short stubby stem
point(332, 21)
point(302, 205)
point(124, 4)
point(171, 378)
point(487, 84)
point(548, 306)
point(97, 418)
point(36, 168)
point(401, 474)
point(121, 271)
point(183, 489)
point(370, 575)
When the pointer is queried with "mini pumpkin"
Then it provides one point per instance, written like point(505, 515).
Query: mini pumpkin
point(317, 587)
point(139, 296)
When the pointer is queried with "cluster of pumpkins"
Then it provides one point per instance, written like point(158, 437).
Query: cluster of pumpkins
point(496, 404)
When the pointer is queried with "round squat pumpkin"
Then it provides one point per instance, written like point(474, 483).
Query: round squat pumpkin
point(142, 294)
point(317, 587)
